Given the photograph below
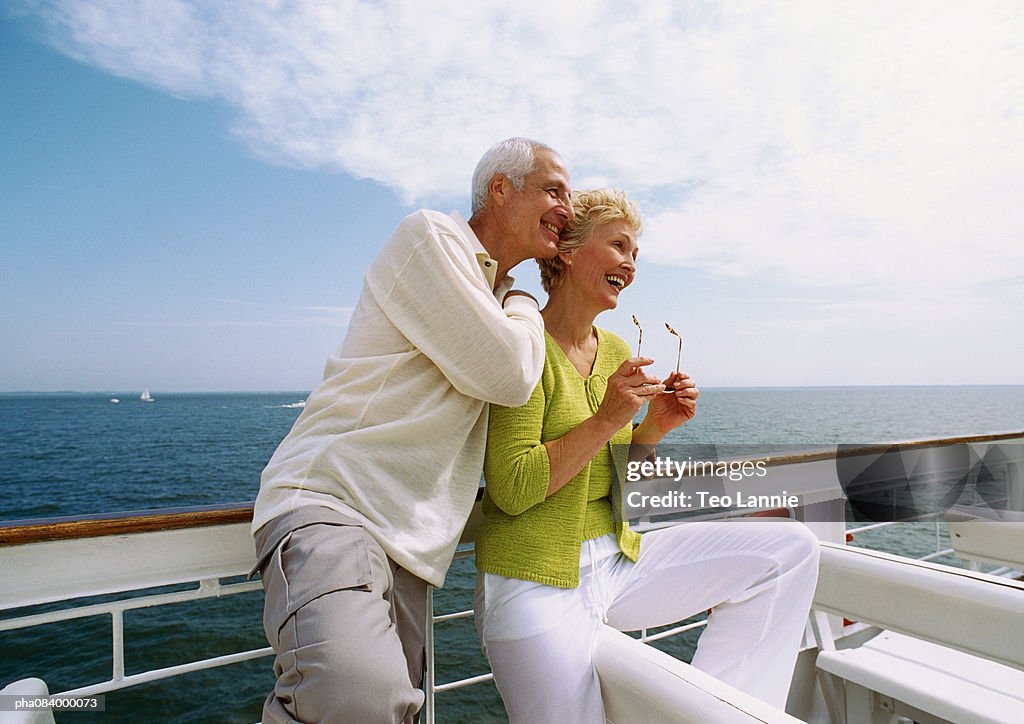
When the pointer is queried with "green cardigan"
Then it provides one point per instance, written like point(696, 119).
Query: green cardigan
point(525, 534)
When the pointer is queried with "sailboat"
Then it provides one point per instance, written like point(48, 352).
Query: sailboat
point(145, 396)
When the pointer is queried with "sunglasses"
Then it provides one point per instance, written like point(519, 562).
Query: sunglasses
point(671, 331)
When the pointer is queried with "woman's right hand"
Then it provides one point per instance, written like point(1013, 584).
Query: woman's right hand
point(629, 387)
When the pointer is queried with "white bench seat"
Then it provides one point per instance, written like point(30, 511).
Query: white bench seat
point(951, 646)
point(942, 681)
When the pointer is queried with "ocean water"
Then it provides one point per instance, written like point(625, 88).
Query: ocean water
point(69, 454)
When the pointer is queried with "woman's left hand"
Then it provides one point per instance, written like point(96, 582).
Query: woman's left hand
point(672, 408)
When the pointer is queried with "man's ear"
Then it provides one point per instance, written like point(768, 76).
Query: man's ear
point(498, 188)
point(566, 257)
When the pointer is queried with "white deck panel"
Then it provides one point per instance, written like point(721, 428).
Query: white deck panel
point(999, 540)
point(57, 570)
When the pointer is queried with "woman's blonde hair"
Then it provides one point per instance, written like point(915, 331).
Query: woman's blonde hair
point(590, 210)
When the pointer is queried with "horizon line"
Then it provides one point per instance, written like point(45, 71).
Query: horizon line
point(703, 387)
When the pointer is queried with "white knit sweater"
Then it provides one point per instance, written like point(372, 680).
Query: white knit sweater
point(395, 433)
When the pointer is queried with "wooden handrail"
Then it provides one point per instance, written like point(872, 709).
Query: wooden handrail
point(36, 530)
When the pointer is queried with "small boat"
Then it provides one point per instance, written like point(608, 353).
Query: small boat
point(114, 400)
point(145, 396)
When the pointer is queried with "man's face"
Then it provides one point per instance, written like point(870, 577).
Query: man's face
point(539, 212)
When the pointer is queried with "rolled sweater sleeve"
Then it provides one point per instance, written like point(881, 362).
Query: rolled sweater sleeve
point(516, 466)
point(433, 291)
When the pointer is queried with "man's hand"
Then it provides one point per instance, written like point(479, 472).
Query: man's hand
point(519, 293)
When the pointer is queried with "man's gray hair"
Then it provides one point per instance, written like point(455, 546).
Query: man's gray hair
point(513, 158)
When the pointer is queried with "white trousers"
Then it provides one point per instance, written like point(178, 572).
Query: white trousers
point(758, 576)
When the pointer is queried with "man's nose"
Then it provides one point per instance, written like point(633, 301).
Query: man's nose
point(566, 205)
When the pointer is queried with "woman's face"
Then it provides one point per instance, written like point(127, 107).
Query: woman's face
point(605, 265)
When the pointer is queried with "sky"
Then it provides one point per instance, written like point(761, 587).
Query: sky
point(190, 192)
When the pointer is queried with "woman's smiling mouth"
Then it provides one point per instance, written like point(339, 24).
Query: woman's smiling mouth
point(616, 281)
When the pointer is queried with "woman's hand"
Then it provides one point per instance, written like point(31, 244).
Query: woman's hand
point(669, 409)
point(627, 391)
point(629, 387)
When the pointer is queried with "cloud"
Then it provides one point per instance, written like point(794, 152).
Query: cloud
point(862, 145)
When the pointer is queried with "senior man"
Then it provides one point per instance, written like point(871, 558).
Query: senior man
point(363, 502)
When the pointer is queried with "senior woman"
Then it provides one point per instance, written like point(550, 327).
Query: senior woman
point(554, 563)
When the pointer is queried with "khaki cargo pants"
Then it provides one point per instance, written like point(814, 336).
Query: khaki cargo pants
point(346, 622)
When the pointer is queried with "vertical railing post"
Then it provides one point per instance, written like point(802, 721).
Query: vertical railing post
point(117, 630)
point(428, 645)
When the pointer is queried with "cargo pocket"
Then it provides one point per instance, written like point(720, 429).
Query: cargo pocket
point(310, 562)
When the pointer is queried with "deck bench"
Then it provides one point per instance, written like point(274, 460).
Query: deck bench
point(949, 647)
point(926, 678)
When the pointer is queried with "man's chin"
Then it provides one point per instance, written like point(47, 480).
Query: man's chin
point(550, 251)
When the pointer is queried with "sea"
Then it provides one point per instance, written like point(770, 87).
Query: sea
point(65, 454)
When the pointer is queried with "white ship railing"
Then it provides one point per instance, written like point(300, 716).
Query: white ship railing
point(210, 549)
point(79, 558)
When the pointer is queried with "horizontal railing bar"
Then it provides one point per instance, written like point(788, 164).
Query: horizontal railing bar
point(440, 688)
point(878, 448)
point(166, 673)
point(21, 532)
point(127, 604)
point(453, 616)
point(924, 517)
point(1005, 572)
point(937, 554)
point(673, 631)
point(872, 526)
